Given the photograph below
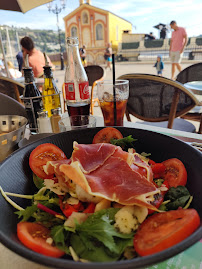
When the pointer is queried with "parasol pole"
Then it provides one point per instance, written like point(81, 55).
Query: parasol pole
point(4, 56)
point(114, 90)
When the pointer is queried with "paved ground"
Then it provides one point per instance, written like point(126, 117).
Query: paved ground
point(124, 68)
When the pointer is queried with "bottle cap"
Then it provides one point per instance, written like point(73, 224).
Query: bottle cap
point(27, 61)
point(46, 60)
point(56, 111)
point(42, 114)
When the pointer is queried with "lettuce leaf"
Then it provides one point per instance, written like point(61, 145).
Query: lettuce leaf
point(125, 143)
point(38, 182)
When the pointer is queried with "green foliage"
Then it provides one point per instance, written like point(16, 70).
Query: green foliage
point(45, 40)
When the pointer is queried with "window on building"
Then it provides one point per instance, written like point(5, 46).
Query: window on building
point(85, 18)
point(99, 32)
point(74, 31)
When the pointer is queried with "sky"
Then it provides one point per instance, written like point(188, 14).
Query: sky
point(143, 14)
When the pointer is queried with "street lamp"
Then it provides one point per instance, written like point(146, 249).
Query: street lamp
point(56, 10)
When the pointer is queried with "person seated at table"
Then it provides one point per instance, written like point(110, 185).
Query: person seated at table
point(36, 57)
point(13, 71)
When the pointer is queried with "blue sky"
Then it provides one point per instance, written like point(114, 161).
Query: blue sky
point(143, 14)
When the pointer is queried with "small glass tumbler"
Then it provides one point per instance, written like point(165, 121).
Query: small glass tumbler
point(76, 122)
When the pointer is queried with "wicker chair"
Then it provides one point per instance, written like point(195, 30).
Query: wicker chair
point(11, 88)
point(191, 73)
point(94, 73)
point(159, 101)
point(10, 106)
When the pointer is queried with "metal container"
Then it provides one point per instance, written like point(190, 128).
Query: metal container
point(12, 129)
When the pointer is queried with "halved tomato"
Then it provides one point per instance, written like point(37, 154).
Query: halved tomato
point(175, 172)
point(164, 230)
point(41, 155)
point(34, 236)
point(106, 134)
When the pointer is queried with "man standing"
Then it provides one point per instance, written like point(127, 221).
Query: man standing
point(177, 46)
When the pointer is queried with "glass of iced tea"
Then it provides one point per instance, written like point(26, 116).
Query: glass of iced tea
point(113, 100)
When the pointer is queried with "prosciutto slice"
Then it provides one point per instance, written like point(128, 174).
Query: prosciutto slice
point(111, 176)
point(92, 156)
point(52, 167)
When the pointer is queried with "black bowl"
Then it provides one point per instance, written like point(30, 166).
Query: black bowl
point(16, 176)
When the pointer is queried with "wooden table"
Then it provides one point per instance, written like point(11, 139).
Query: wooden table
point(191, 258)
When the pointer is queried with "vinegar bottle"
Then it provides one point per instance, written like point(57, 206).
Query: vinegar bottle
point(50, 93)
point(32, 96)
point(76, 81)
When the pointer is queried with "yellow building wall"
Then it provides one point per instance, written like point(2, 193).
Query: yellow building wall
point(116, 28)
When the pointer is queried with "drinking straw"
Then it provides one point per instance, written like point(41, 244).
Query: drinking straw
point(114, 89)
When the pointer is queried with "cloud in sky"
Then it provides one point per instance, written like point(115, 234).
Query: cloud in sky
point(143, 14)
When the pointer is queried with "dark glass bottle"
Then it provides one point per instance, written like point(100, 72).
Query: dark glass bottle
point(30, 94)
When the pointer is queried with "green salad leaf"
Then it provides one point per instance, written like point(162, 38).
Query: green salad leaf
point(38, 182)
point(60, 235)
point(27, 213)
point(125, 143)
point(96, 239)
point(175, 198)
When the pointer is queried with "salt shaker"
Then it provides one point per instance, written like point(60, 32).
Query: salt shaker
point(43, 122)
point(55, 118)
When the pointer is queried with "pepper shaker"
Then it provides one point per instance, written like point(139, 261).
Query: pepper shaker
point(55, 118)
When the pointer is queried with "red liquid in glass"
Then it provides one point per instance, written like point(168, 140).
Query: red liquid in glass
point(78, 109)
point(108, 112)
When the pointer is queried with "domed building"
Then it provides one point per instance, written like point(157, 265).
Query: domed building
point(95, 28)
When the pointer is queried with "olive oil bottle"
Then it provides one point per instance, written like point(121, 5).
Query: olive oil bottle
point(50, 93)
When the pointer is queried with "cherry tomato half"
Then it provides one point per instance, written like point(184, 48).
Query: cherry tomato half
point(41, 155)
point(175, 172)
point(106, 134)
point(163, 230)
point(34, 236)
point(158, 169)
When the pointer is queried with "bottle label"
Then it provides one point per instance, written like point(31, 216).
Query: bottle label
point(70, 91)
point(84, 90)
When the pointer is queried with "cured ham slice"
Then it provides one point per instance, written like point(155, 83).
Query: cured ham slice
point(52, 167)
point(142, 167)
point(64, 183)
point(112, 178)
point(93, 156)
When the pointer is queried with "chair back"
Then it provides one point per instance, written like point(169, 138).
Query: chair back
point(153, 98)
point(94, 72)
point(191, 73)
point(11, 88)
point(10, 106)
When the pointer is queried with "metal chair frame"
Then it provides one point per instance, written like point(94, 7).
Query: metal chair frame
point(15, 86)
point(174, 102)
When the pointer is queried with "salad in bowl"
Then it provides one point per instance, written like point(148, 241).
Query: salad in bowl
point(105, 203)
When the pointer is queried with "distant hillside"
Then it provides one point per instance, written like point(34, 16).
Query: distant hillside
point(45, 40)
